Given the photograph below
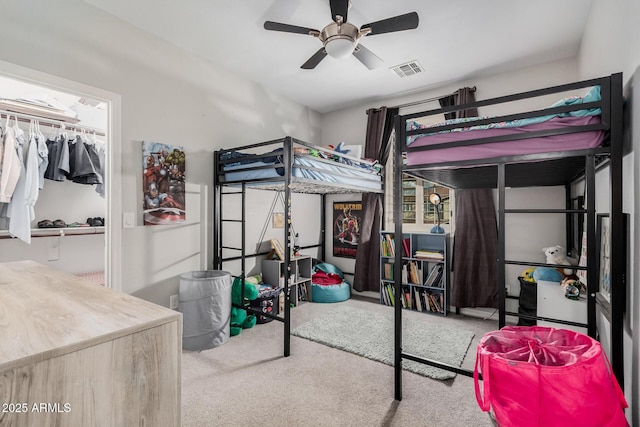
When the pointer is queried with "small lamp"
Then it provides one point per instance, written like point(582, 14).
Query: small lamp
point(435, 200)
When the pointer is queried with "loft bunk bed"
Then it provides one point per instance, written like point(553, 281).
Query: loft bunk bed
point(293, 166)
point(552, 146)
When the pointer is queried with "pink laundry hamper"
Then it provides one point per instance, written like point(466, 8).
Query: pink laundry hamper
point(536, 376)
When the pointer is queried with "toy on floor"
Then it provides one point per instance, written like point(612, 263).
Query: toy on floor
point(239, 318)
point(557, 255)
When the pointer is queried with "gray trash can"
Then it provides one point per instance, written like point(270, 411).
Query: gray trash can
point(205, 304)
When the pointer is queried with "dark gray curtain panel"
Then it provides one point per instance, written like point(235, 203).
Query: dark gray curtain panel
point(377, 146)
point(462, 96)
point(475, 250)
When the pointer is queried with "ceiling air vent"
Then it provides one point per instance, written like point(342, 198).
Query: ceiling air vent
point(408, 69)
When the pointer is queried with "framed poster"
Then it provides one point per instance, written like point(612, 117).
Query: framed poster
point(163, 183)
point(346, 228)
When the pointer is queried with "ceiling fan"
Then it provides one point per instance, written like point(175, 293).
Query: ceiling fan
point(341, 38)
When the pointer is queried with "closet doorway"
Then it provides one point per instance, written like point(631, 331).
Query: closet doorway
point(76, 223)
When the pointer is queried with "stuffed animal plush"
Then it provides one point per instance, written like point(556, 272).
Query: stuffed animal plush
point(547, 274)
point(239, 318)
point(557, 255)
point(527, 275)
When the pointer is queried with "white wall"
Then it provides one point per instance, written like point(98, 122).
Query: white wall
point(611, 43)
point(167, 95)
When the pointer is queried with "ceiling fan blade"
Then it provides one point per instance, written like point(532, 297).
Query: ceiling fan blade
point(286, 28)
point(315, 59)
point(408, 21)
point(368, 58)
point(339, 7)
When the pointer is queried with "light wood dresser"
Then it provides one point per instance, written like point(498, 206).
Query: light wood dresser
point(73, 353)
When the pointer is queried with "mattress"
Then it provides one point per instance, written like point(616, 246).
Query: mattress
point(536, 145)
point(466, 130)
point(307, 168)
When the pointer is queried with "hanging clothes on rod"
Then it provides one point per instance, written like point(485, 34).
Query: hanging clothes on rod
point(84, 162)
point(19, 211)
point(10, 166)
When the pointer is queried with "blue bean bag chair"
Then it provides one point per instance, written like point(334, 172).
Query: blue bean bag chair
point(324, 292)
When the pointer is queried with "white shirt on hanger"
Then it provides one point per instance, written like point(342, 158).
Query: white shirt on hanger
point(11, 166)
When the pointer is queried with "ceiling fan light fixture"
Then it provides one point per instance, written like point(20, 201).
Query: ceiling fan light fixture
point(340, 47)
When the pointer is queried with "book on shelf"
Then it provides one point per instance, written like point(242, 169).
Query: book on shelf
point(435, 276)
point(429, 254)
point(390, 245)
point(405, 246)
point(384, 248)
point(412, 270)
point(418, 303)
point(429, 302)
point(436, 303)
point(438, 282)
point(390, 292)
point(388, 271)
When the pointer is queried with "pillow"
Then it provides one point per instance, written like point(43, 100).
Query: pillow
point(328, 268)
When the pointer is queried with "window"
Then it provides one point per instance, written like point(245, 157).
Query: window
point(430, 214)
point(416, 208)
point(409, 201)
point(418, 214)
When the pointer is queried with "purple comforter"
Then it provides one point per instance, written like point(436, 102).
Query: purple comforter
point(547, 144)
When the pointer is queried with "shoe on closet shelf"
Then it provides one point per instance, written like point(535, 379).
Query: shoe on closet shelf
point(95, 222)
point(58, 223)
point(77, 224)
point(46, 223)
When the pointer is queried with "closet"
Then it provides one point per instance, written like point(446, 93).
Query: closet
point(67, 228)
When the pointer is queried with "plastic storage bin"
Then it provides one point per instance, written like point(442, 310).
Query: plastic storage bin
point(205, 304)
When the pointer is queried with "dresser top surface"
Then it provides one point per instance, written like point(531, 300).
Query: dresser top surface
point(45, 312)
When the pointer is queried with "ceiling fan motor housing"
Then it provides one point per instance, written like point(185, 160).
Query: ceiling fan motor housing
point(339, 39)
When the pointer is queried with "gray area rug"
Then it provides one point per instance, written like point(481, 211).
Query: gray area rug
point(370, 334)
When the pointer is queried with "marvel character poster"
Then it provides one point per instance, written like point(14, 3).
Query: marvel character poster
point(346, 228)
point(163, 183)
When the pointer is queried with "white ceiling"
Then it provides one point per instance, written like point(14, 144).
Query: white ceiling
point(456, 39)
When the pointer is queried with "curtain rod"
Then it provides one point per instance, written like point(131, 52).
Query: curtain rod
point(424, 101)
point(59, 123)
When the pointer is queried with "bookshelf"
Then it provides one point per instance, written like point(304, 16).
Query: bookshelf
point(299, 286)
point(425, 272)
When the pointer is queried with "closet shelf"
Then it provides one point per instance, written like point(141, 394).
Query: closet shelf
point(60, 122)
point(52, 232)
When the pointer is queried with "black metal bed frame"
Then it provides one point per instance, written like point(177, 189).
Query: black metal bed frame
point(285, 183)
point(516, 171)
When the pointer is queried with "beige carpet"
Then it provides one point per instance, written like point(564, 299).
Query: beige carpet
point(246, 381)
point(371, 334)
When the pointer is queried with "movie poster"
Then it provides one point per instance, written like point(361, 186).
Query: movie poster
point(346, 228)
point(163, 183)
